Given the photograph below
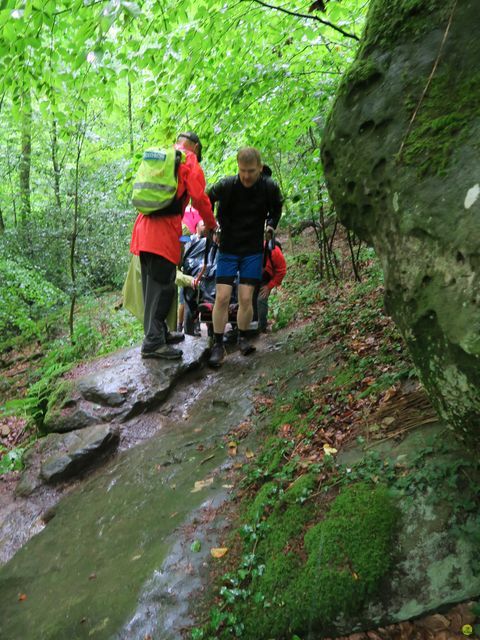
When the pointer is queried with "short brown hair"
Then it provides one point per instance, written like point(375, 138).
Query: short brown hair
point(249, 155)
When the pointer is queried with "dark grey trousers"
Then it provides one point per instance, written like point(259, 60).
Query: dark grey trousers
point(158, 285)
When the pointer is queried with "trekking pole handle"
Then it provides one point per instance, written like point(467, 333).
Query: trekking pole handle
point(270, 233)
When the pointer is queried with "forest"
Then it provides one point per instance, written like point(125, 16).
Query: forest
point(86, 86)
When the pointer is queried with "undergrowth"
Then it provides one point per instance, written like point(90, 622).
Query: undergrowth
point(317, 537)
point(98, 330)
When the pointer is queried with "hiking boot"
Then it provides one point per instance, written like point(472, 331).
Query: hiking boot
point(217, 356)
point(164, 351)
point(174, 337)
point(245, 346)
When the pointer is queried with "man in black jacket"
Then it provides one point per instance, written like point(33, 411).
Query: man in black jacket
point(245, 203)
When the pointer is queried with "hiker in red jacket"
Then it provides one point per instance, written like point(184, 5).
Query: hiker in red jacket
point(273, 273)
point(156, 239)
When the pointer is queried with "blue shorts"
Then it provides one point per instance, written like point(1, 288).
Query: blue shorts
point(248, 268)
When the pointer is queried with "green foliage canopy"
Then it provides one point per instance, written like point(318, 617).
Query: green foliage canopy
point(106, 77)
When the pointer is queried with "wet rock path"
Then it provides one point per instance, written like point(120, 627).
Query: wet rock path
point(108, 560)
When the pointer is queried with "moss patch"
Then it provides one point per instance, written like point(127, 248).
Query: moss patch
point(391, 22)
point(333, 569)
point(58, 400)
point(443, 120)
point(361, 75)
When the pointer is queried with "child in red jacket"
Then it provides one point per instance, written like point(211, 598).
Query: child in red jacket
point(274, 271)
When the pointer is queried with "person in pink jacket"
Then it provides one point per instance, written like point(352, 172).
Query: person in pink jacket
point(190, 219)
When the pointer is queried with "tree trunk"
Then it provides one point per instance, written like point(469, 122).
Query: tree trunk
point(10, 172)
point(130, 119)
point(55, 163)
point(75, 230)
point(25, 158)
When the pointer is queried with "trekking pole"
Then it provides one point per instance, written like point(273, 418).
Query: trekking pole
point(271, 239)
point(269, 244)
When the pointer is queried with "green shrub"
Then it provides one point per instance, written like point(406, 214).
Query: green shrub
point(25, 297)
point(11, 460)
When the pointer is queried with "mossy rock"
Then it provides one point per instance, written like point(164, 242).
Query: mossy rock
point(59, 398)
point(400, 156)
point(394, 22)
point(317, 572)
point(61, 412)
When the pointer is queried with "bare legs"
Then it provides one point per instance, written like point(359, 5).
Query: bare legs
point(222, 301)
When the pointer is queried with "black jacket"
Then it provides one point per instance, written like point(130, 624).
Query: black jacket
point(242, 213)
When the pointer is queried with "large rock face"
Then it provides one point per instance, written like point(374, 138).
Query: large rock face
point(401, 159)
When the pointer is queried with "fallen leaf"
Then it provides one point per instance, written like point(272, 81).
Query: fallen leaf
point(198, 429)
point(389, 393)
point(92, 576)
point(434, 623)
point(218, 552)
point(388, 421)
point(172, 515)
point(304, 464)
point(201, 484)
point(22, 597)
point(249, 454)
point(228, 486)
point(330, 451)
point(285, 429)
point(137, 557)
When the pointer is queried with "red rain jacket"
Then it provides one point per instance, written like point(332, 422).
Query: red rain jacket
point(275, 268)
point(160, 235)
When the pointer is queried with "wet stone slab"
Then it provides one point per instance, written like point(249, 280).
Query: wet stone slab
point(85, 447)
point(62, 456)
point(117, 387)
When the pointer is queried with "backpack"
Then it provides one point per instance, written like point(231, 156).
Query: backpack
point(156, 181)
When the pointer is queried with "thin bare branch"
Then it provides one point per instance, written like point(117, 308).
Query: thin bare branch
point(304, 15)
